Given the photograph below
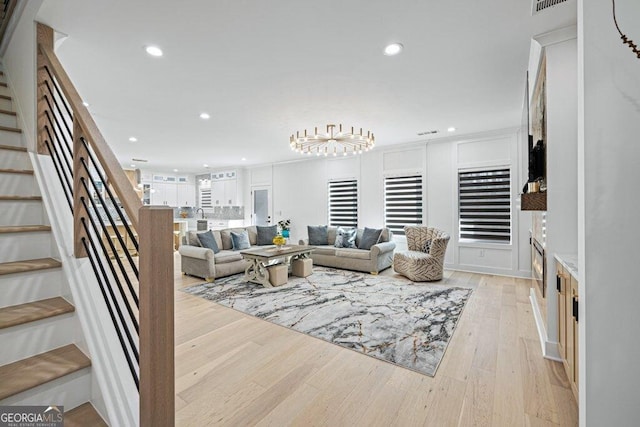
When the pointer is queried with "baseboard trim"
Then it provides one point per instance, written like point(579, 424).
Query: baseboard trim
point(488, 270)
point(549, 348)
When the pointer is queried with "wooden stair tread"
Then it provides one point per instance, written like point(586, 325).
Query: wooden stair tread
point(83, 416)
point(3, 84)
point(20, 171)
point(32, 311)
point(20, 198)
point(28, 265)
point(7, 112)
point(10, 129)
point(11, 147)
point(5, 97)
point(23, 228)
point(25, 374)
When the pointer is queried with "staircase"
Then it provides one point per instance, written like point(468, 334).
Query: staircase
point(40, 363)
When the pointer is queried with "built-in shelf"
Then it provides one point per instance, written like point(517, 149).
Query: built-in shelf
point(533, 201)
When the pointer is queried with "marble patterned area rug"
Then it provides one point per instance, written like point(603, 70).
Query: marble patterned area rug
point(392, 319)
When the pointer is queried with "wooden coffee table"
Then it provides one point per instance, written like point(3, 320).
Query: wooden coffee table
point(260, 259)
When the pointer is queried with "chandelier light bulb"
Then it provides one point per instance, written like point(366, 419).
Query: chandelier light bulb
point(333, 140)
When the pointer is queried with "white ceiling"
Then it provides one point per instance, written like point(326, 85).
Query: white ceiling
point(264, 69)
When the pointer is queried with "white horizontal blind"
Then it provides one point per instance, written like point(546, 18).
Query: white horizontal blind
point(343, 203)
point(484, 205)
point(402, 202)
point(205, 198)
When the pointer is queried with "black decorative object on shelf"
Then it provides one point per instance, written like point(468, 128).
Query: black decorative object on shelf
point(626, 40)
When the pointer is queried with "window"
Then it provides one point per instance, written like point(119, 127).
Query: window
point(343, 203)
point(402, 202)
point(484, 205)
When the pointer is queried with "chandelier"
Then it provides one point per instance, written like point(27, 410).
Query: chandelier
point(335, 141)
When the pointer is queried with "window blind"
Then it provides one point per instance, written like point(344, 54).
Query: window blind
point(343, 203)
point(402, 202)
point(484, 205)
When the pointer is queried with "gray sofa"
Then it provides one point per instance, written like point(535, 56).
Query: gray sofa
point(202, 262)
point(374, 260)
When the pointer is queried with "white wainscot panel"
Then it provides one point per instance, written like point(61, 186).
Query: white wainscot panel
point(400, 160)
point(485, 151)
point(343, 167)
point(485, 257)
point(261, 176)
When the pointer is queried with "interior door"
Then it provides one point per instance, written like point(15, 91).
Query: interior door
point(261, 205)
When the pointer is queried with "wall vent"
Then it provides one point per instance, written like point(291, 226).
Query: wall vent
point(140, 160)
point(540, 5)
point(427, 132)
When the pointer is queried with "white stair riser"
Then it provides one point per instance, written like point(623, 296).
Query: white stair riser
point(10, 159)
point(22, 246)
point(8, 120)
point(13, 139)
point(5, 91)
point(70, 391)
point(14, 212)
point(20, 288)
point(6, 104)
point(18, 184)
point(38, 337)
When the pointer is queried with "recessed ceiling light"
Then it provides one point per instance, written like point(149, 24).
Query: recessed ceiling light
point(132, 165)
point(451, 129)
point(393, 49)
point(133, 139)
point(204, 116)
point(86, 104)
point(243, 159)
point(175, 170)
point(154, 51)
point(205, 165)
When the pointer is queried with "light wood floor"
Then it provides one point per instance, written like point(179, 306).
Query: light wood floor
point(236, 370)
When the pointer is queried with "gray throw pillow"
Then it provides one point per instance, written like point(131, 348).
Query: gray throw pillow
point(192, 239)
point(370, 236)
point(346, 238)
point(240, 240)
point(208, 241)
point(266, 235)
point(318, 234)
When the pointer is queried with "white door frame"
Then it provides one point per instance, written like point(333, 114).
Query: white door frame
point(269, 203)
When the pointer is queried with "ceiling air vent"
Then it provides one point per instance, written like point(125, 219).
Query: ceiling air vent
point(140, 160)
point(540, 5)
point(427, 132)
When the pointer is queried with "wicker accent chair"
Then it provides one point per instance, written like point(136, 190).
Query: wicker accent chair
point(416, 264)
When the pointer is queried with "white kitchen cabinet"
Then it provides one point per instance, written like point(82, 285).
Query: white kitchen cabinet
point(217, 193)
point(186, 194)
point(171, 190)
point(230, 193)
point(164, 193)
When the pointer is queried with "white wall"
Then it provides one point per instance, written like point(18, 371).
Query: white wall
point(19, 63)
point(562, 174)
point(299, 192)
point(608, 204)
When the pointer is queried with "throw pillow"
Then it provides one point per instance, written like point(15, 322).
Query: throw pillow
point(208, 241)
point(266, 235)
point(346, 238)
point(240, 240)
point(427, 246)
point(370, 236)
point(192, 239)
point(318, 234)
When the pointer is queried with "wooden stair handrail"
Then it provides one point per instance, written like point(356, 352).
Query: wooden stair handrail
point(116, 176)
